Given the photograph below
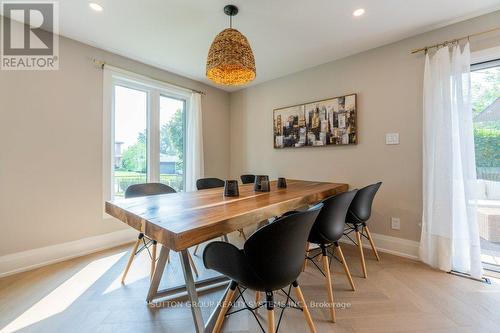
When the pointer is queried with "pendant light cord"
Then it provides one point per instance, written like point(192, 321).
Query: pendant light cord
point(231, 21)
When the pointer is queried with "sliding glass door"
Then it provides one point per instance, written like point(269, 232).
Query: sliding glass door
point(486, 112)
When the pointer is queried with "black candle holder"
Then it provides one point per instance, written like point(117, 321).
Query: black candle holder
point(258, 183)
point(281, 182)
point(265, 186)
point(231, 188)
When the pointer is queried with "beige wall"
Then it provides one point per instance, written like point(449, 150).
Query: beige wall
point(51, 147)
point(51, 136)
point(388, 81)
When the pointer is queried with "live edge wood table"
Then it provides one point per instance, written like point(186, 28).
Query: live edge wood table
point(179, 221)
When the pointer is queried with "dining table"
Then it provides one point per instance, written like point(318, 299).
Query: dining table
point(182, 220)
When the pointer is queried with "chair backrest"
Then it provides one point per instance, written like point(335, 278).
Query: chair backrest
point(276, 251)
point(361, 206)
point(247, 179)
point(141, 190)
point(330, 223)
point(206, 183)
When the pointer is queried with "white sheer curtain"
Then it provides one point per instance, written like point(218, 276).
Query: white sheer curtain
point(450, 238)
point(194, 142)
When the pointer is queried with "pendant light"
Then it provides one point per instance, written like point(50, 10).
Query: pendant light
point(230, 58)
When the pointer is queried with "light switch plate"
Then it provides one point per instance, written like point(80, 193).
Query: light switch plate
point(395, 223)
point(392, 139)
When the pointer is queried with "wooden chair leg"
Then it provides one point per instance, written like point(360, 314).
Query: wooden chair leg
point(270, 320)
point(224, 307)
point(270, 313)
point(191, 261)
point(361, 255)
point(346, 268)
point(328, 282)
point(374, 249)
point(153, 259)
point(307, 255)
point(303, 304)
point(242, 234)
point(131, 258)
point(257, 297)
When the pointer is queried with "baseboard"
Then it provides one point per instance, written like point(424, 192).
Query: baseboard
point(31, 259)
point(397, 246)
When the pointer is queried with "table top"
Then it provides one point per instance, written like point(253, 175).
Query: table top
point(181, 220)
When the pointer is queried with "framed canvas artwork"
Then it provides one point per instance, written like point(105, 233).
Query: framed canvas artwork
point(328, 122)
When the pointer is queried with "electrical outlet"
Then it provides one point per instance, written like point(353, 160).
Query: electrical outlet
point(395, 223)
point(392, 139)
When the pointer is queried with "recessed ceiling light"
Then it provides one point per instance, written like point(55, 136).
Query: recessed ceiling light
point(95, 6)
point(358, 12)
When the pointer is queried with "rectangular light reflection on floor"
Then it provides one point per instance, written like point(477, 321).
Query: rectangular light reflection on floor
point(64, 295)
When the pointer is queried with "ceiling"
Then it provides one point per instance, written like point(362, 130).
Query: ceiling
point(286, 35)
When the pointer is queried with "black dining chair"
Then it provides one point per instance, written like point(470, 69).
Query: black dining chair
point(247, 179)
point(270, 260)
point(358, 214)
point(141, 190)
point(208, 183)
point(326, 232)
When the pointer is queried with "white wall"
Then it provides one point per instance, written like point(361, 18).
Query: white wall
point(388, 81)
point(51, 147)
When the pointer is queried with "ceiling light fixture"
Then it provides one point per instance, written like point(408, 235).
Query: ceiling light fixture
point(230, 58)
point(95, 6)
point(358, 12)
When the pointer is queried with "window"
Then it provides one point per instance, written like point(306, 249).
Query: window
point(130, 139)
point(172, 129)
point(144, 132)
point(485, 77)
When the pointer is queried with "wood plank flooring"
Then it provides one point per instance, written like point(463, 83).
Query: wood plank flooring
point(400, 295)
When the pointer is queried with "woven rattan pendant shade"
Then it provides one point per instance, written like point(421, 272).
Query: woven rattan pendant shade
point(230, 59)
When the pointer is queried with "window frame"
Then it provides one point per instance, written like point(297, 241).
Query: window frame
point(484, 56)
point(154, 89)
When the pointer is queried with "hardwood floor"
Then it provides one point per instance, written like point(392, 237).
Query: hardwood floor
point(400, 295)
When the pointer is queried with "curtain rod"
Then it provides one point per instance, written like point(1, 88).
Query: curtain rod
point(101, 64)
point(453, 40)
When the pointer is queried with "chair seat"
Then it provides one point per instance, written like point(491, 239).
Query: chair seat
point(353, 219)
point(315, 237)
point(235, 265)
